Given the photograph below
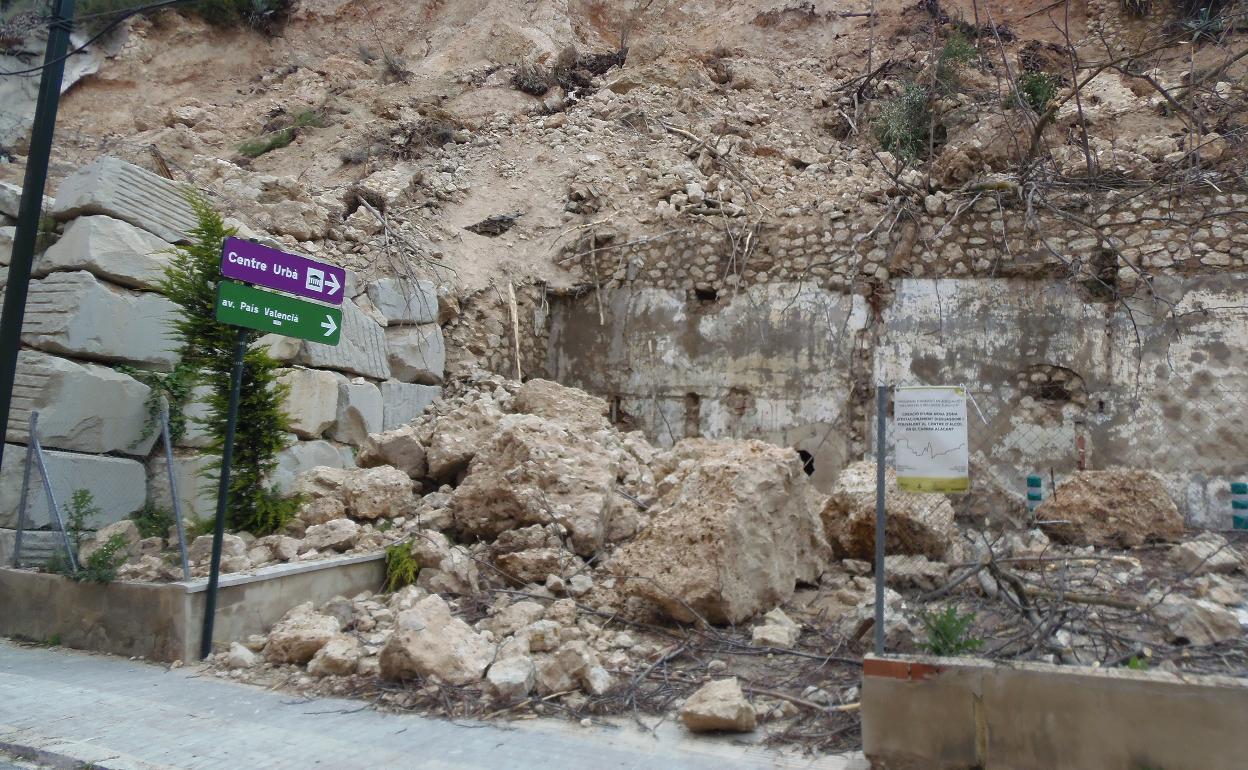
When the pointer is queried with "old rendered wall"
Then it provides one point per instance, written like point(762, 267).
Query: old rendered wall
point(1069, 361)
point(957, 713)
point(774, 362)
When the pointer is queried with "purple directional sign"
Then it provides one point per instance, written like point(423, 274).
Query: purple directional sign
point(273, 269)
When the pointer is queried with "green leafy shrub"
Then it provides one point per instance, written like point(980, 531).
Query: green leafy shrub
point(101, 566)
point(153, 521)
point(949, 633)
point(956, 53)
point(207, 346)
point(81, 507)
point(1037, 89)
point(1137, 663)
point(402, 569)
point(904, 124)
point(254, 148)
point(282, 135)
point(197, 527)
point(176, 387)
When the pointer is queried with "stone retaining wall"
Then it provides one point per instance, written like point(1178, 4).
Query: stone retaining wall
point(93, 305)
point(981, 234)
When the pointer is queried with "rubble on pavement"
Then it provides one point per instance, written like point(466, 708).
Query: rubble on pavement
point(566, 567)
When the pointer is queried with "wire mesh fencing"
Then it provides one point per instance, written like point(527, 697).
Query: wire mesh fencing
point(66, 496)
point(1025, 439)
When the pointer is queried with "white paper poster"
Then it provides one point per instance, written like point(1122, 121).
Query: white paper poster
point(929, 439)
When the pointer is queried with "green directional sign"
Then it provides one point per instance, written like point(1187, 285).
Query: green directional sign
point(242, 305)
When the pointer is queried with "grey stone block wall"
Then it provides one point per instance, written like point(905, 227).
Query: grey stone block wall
point(94, 305)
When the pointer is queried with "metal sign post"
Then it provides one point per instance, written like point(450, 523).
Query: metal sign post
point(251, 308)
point(881, 511)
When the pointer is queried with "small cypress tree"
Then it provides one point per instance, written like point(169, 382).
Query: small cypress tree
point(208, 346)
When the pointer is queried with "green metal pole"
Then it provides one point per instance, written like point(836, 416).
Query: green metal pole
point(32, 203)
point(223, 494)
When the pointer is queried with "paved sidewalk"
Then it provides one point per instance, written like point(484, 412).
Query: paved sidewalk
point(128, 715)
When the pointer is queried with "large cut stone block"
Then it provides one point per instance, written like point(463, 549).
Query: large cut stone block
point(360, 350)
point(118, 486)
point(196, 409)
point(7, 234)
point(110, 249)
point(359, 411)
point(11, 200)
point(79, 315)
point(404, 301)
point(82, 407)
point(196, 478)
point(416, 353)
point(306, 455)
point(38, 546)
point(124, 191)
point(312, 402)
point(402, 402)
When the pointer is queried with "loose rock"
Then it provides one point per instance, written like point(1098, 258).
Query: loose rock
point(719, 705)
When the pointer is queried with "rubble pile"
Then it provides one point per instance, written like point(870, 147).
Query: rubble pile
point(563, 563)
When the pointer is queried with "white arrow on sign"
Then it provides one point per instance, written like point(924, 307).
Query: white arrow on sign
point(329, 326)
point(332, 284)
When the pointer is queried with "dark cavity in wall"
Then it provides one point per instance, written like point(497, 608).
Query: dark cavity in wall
point(693, 415)
point(808, 462)
point(706, 294)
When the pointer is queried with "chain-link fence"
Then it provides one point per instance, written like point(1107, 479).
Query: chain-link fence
point(1194, 439)
point(65, 496)
point(1026, 438)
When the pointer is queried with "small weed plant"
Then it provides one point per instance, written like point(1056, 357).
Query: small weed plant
point(904, 124)
point(949, 632)
point(153, 520)
point(956, 54)
point(1037, 89)
point(402, 569)
point(101, 566)
point(275, 140)
point(175, 386)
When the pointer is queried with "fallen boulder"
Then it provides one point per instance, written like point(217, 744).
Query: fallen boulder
point(917, 523)
point(378, 493)
point(1110, 508)
point(574, 408)
point(734, 530)
point(511, 679)
point(1197, 621)
point(339, 657)
point(299, 634)
point(129, 533)
point(336, 535)
point(431, 642)
point(719, 705)
point(535, 471)
point(1207, 553)
point(400, 447)
point(458, 434)
point(776, 630)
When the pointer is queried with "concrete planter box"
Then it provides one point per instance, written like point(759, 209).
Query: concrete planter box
point(947, 713)
point(164, 621)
